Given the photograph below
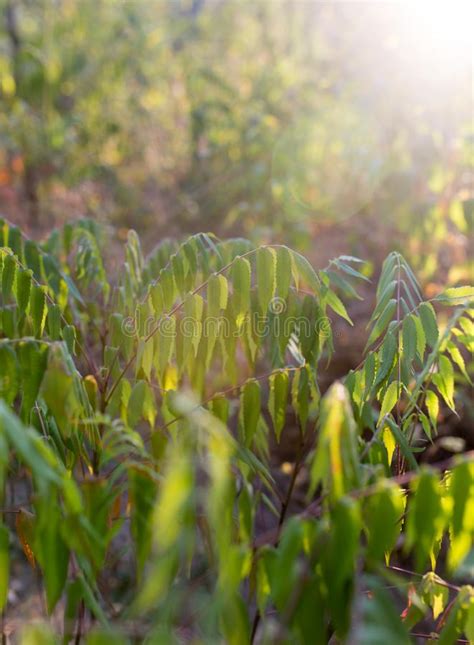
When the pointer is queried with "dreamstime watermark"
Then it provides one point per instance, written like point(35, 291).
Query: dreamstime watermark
point(275, 323)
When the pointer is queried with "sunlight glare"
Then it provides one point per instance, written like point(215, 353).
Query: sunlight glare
point(445, 27)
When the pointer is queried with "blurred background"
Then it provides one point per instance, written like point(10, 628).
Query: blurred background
point(334, 127)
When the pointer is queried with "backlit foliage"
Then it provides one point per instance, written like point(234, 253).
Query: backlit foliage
point(140, 408)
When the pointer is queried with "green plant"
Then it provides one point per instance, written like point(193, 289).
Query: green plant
point(139, 412)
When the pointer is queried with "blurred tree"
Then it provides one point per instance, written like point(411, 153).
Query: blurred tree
point(264, 119)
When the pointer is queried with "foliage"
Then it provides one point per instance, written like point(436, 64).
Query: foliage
point(263, 119)
point(140, 411)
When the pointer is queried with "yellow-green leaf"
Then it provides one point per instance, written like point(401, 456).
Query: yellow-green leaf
point(389, 400)
point(432, 405)
point(217, 293)
point(444, 380)
point(434, 594)
point(456, 295)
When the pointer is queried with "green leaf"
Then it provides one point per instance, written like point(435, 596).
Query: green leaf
point(8, 275)
point(9, 374)
point(428, 320)
point(369, 372)
point(462, 517)
point(33, 358)
point(71, 607)
point(60, 395)
point(250, 409)
point(402, 443)
point(382, 322)
point(386, 359)
point(301, 395)
point(459, 619)
point(52, 552)
point(145, 356)
point(389, 400)
point(219, 406)
point(426, 517)
point(456, 296)
point(15, 241)
point(164, 344)
point(351, 271)
point(339, 561)
point(30, 448)
point(91, 601)
point(335, 463)
point(388, 273)
point(157, 299)
point(302, 270)
point(434, 594)
point(23, 287)
point(266, 276)
point(409, 339)
point(279, 384)
point(217, 296)
point(382, 302)
point(191, 325)
point(283, 271)
point(168, 286)
point(54, 322)
point(38, 309)
point(33, 258)
point(411, 277)
point(177, 268)
point(345, 286)
point(420, 337)
point(141, 404)
point(9, 321)
point(142, 493)
point(383, 512)
point(337, 305)
point(68, 333)
point(241, 285)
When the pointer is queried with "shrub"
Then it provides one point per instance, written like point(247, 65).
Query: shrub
point(140, 410)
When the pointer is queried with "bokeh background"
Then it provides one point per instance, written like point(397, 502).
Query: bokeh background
point(330, 126)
